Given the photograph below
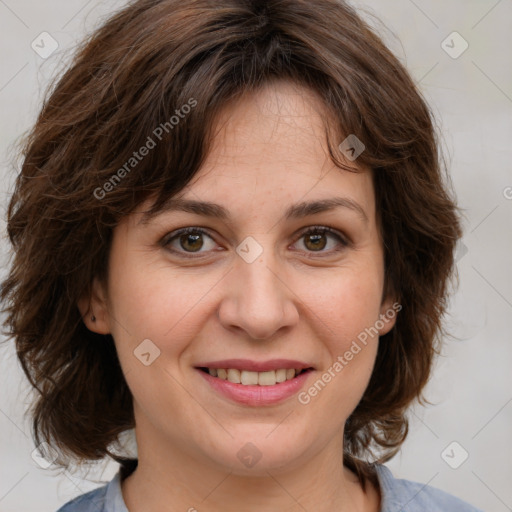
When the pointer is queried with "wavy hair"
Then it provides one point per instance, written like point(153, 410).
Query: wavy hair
point(131, 76)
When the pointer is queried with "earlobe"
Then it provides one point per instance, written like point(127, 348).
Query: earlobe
point(94, 309)
point(388, 313)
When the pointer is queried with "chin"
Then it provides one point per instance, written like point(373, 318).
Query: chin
point(257, 454)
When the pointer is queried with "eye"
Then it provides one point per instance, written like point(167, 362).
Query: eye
point(315, 239)
point(190, 240)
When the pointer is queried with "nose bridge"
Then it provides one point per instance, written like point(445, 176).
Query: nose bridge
point(259, 301)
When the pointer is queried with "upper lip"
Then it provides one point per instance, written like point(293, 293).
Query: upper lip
point(255, 366)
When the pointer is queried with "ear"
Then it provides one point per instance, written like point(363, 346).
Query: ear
point(94, 309)
point(388, 312)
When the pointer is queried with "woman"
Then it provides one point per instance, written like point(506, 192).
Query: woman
point(232, 233)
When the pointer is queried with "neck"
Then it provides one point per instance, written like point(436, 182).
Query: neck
point(174, 479)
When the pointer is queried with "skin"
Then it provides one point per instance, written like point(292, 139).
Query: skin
point(292, 302)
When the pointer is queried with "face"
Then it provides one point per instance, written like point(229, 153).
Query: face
point(269, 290)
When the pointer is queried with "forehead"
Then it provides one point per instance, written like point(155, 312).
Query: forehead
point(269, 153)
point(273, 141)
point(281, 117)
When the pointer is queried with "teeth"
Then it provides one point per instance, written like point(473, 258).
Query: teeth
point(248, 378)
point(269, 378)
point(280, 375)
point(234, 376)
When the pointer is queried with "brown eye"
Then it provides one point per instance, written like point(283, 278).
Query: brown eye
point(316, 239)
point(191, 242)
point(188, 240)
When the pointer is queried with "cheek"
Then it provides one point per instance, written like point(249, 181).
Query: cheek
point(158, 303)
point(346, 304)
point(343, 313)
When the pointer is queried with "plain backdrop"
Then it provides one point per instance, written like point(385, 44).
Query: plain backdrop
point(462, 443)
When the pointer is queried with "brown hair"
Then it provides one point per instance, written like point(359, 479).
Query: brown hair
point(133, 75)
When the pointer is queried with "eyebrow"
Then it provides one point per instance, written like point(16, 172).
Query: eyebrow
point(295, 211)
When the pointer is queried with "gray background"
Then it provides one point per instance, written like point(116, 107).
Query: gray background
point(471, 96)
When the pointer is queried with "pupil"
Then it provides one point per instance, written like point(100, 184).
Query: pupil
point(316, 240)
point(185, 238)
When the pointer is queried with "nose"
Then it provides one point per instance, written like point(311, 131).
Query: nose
point(258, 298)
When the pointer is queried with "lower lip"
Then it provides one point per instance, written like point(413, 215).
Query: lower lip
point(257, 395)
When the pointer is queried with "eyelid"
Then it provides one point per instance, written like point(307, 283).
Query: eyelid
point(326, 229)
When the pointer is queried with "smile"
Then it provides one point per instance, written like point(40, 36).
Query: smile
point(255, 389)
point(249, 378)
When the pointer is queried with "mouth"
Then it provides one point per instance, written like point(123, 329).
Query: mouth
point(255, 384)
point(253, 378)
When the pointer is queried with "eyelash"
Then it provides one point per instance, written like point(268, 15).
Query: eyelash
point(317, 230)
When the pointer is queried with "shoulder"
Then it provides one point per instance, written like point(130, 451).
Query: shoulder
point(400, 494)
point(92, 501)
